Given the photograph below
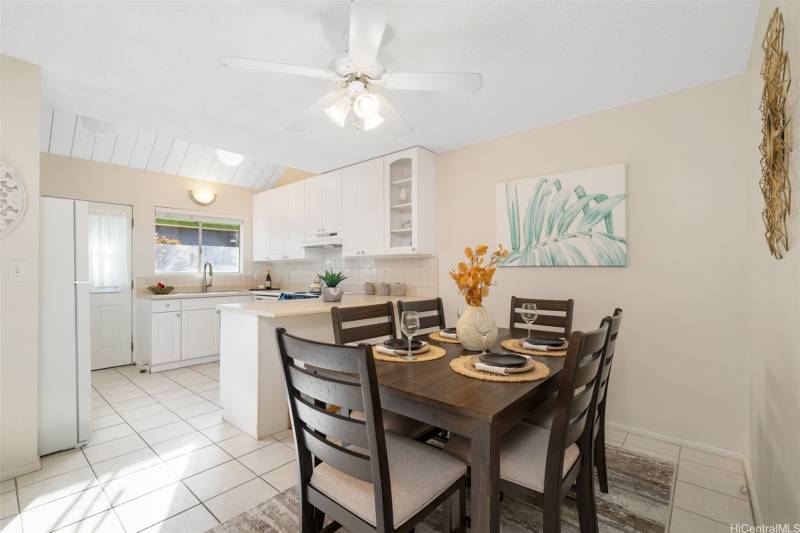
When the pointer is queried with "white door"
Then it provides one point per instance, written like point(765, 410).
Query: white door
point(110, 289)
point(199, 333)
point(166, 329)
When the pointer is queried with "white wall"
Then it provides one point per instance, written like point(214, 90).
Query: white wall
point(773, 305)
point(680, 365)
point(20, 84)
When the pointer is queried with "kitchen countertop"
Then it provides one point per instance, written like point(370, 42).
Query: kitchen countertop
point(209, 294)
point(287, 308)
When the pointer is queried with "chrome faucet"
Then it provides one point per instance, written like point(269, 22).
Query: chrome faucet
point(208, 276)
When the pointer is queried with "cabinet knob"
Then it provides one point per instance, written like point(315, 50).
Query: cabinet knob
point(177, 314)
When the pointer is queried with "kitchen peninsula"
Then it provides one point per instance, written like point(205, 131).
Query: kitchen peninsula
point(252, 390)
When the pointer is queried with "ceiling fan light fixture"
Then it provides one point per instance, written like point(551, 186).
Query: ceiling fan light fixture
point(373, 122)
point(229, 159)
point(339, 110)
point(366, 106)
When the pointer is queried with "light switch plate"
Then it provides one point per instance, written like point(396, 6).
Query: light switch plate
point(16, 271)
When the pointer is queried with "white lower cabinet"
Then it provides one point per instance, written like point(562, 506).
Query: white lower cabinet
point(166, 337)
point(178, 332)
point(199, 333)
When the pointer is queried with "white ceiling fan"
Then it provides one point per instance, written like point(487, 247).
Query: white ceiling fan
point(358, 76)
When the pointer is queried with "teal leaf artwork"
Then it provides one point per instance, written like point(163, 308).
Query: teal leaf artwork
point(568, 219)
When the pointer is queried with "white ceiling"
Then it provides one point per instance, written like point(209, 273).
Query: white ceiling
point(64, 133)
point(154, 66)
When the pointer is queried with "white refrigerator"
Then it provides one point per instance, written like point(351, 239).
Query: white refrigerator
point(64, 359)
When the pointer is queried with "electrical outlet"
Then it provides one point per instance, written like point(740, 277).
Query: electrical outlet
point(16, 271)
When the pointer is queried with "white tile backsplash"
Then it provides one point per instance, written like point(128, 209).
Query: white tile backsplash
point(417, 273)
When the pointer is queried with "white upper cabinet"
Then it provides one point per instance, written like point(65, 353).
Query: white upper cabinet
point(410, 191)
point(260, 226)
point(278, 219)
point(323, 205)
point(363, 209)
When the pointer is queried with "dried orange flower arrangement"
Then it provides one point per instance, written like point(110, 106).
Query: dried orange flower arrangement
point(474, 278)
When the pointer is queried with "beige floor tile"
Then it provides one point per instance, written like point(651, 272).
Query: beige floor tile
point(211, 395)
point(65, 511)
point(181, 445)
point(53, 465)
point(196, 409)
point(240, 499)
point(191, 379)
point(281, 435)
point(7, 485)
point(156, 421)
point(282, 477)
point(8, 504)
point(221, 432)
point(710, 459)
point(108, 434)
point(204, 386)
point(102, 422)
point(268, 458)
point(134, 403)
point(114, 448)
point(195, 520)
point(143, 412)
point(182, 401)
point(615, 437)
point(12, 524)
point(168, 432)
point(125, 464)
point(102, 410)
point(117, 397)
point(217, 480)
point(198, 461)
point(711, 504)
point(132, 486)
point(105, 522)
point(686, 522)
point(56, 487)
point(173, 394)
point(242, 444)
point(155, 507)
point(713, 478)
point(213, 418)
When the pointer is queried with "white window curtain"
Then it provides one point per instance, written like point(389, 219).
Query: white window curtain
point(108, 254)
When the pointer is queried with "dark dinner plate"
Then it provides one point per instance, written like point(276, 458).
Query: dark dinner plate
point(509, 360)
point(452, 331)
point(402, 344)
point(547, 341)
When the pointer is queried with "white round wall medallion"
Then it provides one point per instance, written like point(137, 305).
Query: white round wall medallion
point(13, 199)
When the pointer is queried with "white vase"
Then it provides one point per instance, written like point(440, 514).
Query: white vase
point(332, 294)
point(474, 323)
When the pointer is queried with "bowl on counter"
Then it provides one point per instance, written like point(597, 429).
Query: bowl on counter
point(155, 289)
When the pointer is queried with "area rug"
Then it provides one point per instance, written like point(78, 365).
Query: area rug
point(637, 501)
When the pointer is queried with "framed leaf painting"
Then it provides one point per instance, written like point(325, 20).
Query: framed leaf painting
point(574, 218)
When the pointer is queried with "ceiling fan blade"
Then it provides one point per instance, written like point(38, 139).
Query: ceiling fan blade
point(281, 68)
point(314, 112)
point(433, 81)
point(395, 123)
point(367, 24)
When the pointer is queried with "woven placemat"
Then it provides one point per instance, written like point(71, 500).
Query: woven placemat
point(465, 366)
point(515, 345)
point(436, 352)
point(438, 338)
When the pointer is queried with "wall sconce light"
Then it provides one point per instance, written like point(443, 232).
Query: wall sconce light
point(202, 196)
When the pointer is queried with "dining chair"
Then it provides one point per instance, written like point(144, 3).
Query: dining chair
point(381, 325)
point(431, 313)
point(542, 416)
point(543, 464)
point(554, 315)
point(380, 481)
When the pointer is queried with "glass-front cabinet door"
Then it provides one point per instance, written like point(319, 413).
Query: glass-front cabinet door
point(401, 193)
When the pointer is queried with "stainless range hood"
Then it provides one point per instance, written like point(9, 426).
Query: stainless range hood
point(322, 240)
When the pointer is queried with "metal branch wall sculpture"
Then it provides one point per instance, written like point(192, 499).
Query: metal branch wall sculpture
point(775, 145)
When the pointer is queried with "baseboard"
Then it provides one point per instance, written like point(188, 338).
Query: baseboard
point(21, 471)
point(182, 363)
point(751, 488)
point(733, 454)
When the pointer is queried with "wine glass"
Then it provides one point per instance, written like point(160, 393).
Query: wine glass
point(529, 314)
point(409, 325)
point(484, 328)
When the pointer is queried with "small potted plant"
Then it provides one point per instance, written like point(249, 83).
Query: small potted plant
point(331, 292)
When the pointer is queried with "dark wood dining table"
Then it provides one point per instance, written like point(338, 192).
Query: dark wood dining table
point(482, 411)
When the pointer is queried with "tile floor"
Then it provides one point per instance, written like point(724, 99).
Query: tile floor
point(161, 459)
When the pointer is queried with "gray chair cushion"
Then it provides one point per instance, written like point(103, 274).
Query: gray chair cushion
point(418, 474)
point(399, 424)
point(523, 455)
